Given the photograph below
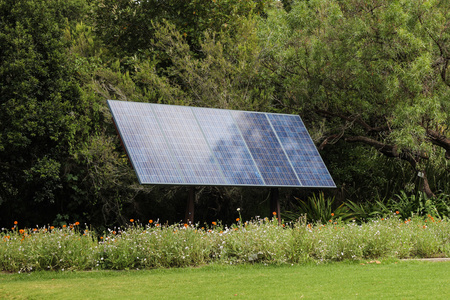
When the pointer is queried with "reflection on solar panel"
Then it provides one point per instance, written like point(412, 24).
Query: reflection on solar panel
point(180, 145)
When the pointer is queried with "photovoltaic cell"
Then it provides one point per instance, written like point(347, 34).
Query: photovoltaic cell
point(190, 149)
point(145, 143)
point(301, 151)
point(182, 145)
point(265, 149)
point(228, 147)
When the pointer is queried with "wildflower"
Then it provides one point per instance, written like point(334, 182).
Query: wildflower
point(64, 226)
point(77, 223)
point(52, 227)
point(185, 225)
point(274, 213)
point(237, 219)
point(330, 221)
point(238, 209)
point(397, 212)
point(332, 214)
point(214, 223)
point(131, 220)
point(15, 222)
point(150, 221)
point(101, 238)
point(21, 231)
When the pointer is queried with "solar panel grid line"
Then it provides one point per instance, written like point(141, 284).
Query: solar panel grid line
point(135, 150)
point(292, 127)
point(209, 146)
point(248, 149)
point(190, 149)
point(258, 136)
point(205, 146)
point(284, 150)
point(217, 124)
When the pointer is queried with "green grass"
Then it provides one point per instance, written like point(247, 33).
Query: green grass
point(344, 280)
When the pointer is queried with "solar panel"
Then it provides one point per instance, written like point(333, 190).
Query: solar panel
point(181, 145)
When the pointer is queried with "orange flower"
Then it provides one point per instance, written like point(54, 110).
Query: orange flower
point(52, 227)
point(150, 221)
point(214, 223)
point(77, 223)
point(64, 226)
point(21, 231)
point(101, 238)
point(186, 225)
point(274, 213)
point(330, 221)
point(397, 212)
point(15, 222)
point(131, 220)
point(332, 214)
point(237, 220)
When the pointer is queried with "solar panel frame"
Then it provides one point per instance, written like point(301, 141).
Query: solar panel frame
point(206, 154)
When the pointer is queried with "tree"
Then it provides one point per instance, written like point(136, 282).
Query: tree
point(41, 113)
point(376, 70)
point(128, 27)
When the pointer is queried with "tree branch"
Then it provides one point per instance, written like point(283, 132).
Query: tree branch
point(356, 120)
point(439, 140)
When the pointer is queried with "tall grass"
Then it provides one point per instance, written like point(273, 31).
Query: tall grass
point(153, 245)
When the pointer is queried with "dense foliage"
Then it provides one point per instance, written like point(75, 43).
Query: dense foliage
point(369, 78)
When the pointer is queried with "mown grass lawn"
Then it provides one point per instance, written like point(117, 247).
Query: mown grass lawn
point(391, 279)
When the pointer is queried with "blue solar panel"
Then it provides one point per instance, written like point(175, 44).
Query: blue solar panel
point(266, 149)
point(144, 141)
point(301, 151)
point(183, 145)
point(190, 148)
point(228, 147)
